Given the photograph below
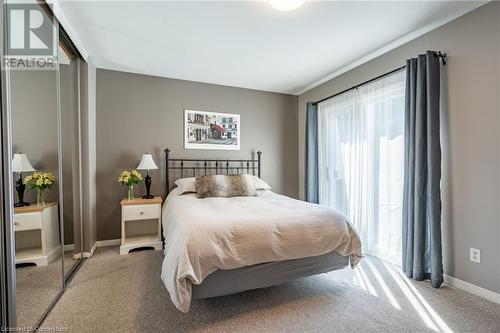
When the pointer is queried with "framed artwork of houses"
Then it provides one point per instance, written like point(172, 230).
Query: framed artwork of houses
point(211, 130)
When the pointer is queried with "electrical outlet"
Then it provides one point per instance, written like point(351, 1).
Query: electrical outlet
point(475, 255)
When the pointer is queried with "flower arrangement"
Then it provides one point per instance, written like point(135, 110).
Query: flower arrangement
point(130, 178)
point(39, 181)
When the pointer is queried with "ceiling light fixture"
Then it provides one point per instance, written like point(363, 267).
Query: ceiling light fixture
point(286, 5)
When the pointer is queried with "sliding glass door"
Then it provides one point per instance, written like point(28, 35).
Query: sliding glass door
point(361, 145)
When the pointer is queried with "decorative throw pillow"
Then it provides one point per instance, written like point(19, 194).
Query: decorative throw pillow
point(225, 186)
point(186, 185)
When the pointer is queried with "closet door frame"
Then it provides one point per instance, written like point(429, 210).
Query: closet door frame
point(68, 46)
point(7, 246)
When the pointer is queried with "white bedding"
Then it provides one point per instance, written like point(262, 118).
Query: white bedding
point(203, 235)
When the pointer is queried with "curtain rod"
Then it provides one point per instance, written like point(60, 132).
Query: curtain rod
point(437, 54)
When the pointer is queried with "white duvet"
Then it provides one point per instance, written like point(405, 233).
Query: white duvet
point(203, 235)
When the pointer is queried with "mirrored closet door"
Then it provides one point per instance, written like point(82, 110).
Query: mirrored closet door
point(36, 165)
point(43, 105)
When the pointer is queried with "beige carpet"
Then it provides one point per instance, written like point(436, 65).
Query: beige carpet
point(36, 288)
point(113, 293)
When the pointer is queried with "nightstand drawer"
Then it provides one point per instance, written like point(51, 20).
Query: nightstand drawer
point(141, 212)
point(28, 221)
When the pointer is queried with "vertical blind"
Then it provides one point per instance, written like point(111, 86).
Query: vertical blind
point(360, 158)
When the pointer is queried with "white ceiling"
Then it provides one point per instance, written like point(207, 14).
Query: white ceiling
point(247, 43)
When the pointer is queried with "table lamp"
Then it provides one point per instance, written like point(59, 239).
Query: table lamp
point(20, 164)
point(147, 163)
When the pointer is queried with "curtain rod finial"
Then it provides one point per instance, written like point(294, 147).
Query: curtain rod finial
point(441, 55)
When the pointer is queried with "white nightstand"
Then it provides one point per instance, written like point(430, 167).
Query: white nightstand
point(138, 229)
point(36, 231)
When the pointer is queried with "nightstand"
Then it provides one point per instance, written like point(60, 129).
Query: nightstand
point(141, 224)
point(36, 230)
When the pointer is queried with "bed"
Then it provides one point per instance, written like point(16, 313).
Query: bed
point(221, 246)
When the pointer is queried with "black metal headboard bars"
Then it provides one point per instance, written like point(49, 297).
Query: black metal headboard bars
point(191, 167)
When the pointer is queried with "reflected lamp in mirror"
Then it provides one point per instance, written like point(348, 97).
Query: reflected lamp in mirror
point(147, 163)
point(20, 164)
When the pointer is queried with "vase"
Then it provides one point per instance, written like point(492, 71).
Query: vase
point(40, 200)
point(131, 192)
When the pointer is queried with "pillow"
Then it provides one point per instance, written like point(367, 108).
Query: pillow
point(225, 186)
point(186, 185)
point(260, 184)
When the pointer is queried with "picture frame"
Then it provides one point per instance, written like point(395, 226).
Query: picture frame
point(211, 130)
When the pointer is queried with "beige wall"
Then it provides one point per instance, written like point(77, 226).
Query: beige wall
point(471, 150)
point(34, 123)
point(138, 114)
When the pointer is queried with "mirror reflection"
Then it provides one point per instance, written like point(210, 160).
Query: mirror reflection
point(36, 170)
point(44, 106)
point(46, 165)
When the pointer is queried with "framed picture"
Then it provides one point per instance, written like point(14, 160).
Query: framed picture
point(211, 130)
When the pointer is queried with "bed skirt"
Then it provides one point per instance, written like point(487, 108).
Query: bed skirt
point(232, 281)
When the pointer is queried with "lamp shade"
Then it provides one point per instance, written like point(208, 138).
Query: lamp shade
point(147, 163)
point(20, 163)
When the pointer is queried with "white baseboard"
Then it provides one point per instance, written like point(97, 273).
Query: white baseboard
point(108, 242)
point(69, 247)
point(473, 289)
point(92, 250)
point(81, 255)
point(86, 254)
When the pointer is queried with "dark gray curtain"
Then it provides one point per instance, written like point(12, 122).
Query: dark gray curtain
point(422, 255)
point(311, 181)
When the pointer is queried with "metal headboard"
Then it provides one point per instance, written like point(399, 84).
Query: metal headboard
point(200, 167)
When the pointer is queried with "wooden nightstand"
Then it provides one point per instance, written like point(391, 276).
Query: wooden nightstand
point(36, 230)
point(138, 229)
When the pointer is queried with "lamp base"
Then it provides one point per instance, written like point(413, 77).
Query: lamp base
point(147, 182)
point(20, 187)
